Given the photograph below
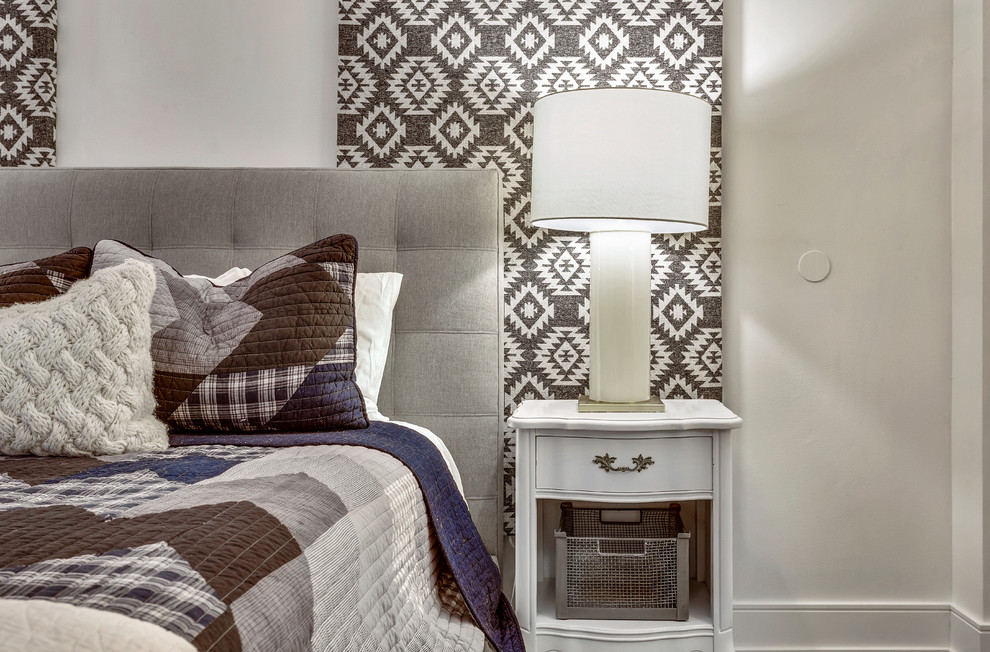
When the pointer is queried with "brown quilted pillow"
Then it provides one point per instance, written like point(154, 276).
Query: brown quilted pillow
point(270, 352)
point(44, 278)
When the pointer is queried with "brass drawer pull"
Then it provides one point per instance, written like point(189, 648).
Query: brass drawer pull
point(605, 462)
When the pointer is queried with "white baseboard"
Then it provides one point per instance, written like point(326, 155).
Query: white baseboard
point(966, 634)
point(845, 627)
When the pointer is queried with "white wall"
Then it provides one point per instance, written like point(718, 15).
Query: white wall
point(197, 83)
point(837, 137)
point(970, 331)
point(967, 300)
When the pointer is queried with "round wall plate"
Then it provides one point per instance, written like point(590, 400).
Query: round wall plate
point(814, 266)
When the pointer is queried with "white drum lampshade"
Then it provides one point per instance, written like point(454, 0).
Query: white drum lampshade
point(621, 163)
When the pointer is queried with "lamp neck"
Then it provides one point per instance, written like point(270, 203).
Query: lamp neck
point(620, 316)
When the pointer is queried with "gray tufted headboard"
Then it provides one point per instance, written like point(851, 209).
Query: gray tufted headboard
point(440, 228)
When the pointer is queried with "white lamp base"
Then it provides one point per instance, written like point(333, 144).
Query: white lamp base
point(652, 404)
point(620, 317)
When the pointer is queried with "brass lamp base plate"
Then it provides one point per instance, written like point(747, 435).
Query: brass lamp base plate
point(652, 404)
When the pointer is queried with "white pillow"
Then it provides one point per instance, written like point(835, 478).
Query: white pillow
point(375, 295)
point(374, 299)
point(228, 277)
point(76, 370)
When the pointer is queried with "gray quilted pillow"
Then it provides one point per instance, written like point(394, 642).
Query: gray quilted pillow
point(75, 370)
point(271, 352)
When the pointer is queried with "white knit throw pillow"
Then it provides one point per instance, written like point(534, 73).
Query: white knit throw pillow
point(76, 370)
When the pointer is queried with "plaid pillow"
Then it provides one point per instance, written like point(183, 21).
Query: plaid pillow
point(44, 278)
point(270, 352)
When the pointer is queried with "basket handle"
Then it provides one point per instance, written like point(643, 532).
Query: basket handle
point(640, 462)
point(625, 543)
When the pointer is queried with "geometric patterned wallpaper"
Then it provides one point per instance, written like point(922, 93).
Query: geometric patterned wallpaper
point(451, 83)
point(27, 83)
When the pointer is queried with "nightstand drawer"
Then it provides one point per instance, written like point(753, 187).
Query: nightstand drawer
point(614, 464)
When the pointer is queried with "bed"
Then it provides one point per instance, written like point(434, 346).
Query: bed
point(294, 539)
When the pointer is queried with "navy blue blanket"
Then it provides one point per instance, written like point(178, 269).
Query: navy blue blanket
point(473, 569)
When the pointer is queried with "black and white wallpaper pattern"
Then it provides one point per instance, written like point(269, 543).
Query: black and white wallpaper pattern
point(451, 83)
point(27, 83)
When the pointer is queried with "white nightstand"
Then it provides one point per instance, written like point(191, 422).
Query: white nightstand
point(691, 464)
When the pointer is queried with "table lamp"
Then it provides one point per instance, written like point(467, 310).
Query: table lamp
point(621, 163)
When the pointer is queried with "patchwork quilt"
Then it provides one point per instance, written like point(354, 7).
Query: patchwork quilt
point(312, 541)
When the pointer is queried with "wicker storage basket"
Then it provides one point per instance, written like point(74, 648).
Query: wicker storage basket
point(622, 564)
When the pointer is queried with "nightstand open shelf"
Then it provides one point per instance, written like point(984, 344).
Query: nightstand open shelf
point(685, 458)
point(698, 623)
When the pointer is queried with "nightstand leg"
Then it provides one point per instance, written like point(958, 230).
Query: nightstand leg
point(721, 538)
point(526, 576)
